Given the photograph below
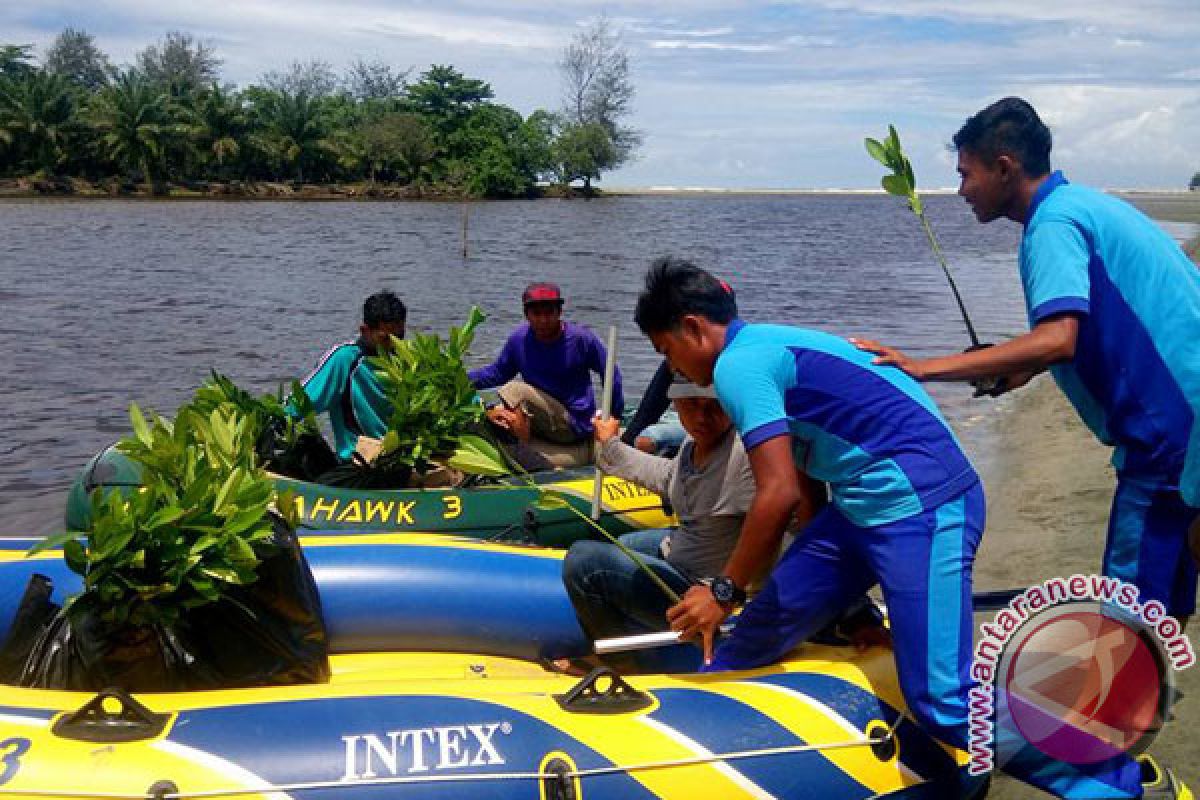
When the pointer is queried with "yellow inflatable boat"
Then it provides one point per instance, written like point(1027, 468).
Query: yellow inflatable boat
point(481, 718)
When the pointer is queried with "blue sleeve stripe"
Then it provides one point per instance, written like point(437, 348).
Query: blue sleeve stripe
point(762, 433)
point(1059, 305)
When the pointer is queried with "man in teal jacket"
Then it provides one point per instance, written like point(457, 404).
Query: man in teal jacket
point(343, 383)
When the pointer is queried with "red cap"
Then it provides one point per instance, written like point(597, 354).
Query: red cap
point(541, 293)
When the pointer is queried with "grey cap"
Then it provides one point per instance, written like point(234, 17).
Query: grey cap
point(681, 387)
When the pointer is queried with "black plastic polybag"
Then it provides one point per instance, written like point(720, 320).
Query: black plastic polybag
point(309, 457)
point(266, 634)
point(33, 615)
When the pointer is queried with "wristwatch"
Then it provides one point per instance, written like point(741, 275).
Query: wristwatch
point(726, 591)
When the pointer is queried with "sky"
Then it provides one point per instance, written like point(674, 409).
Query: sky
point(749, 94)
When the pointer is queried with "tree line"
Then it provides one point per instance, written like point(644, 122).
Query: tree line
point(168, 118)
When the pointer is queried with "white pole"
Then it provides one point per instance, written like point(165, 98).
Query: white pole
point(610, 365)
point(644, 641)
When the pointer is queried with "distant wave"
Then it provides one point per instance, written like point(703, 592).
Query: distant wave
point(753, 190)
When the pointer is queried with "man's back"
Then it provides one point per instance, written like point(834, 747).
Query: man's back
point(871, 432)
point(344, 385)
point(1138, 299)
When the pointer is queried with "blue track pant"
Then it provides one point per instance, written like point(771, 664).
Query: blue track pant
point(1147, 544)
point(923, 564)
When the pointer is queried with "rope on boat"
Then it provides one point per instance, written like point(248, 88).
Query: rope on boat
point(470, 778)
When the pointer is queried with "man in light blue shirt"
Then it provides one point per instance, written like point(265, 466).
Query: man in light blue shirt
point(1114, 314)
point(906, 509)
point(1114, 311)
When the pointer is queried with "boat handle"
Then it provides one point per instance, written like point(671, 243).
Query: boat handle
point(603, 691)
point(98, 720)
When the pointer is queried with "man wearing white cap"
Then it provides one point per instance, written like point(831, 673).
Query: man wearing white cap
point(710, 486)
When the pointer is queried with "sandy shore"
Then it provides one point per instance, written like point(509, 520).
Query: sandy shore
point(1049, 488)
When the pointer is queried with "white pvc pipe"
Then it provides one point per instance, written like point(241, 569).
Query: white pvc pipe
point(610, 365)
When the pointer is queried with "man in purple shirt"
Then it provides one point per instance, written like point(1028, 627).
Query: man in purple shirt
point(551, 407)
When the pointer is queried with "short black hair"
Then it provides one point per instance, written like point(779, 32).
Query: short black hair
point(675, 288)
point(1008, 127)
point(383, 307)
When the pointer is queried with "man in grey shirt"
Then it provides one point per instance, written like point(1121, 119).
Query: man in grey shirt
point(710, 486)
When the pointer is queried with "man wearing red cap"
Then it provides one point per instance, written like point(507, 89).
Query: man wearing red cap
point(551, 407)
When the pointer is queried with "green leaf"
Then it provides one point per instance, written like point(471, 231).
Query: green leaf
point(113, 544)
point(230, 485)
point(239, 552)
point(53, 542)
point(140, 428)
point(476, 456)
point(244, 520)
point(288, 508)
point(473, 464)
point(75, 556)
point(223, 574)
point(165, 516)
point(876, 151)
point(205, 588)
point(205, 542)
point(550, 501)
point(895, 184)
point(893, 143)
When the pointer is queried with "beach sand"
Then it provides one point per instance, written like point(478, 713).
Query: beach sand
point(1048, 489)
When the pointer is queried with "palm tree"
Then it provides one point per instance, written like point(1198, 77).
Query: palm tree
point(294, 129)
point(134, 120)
point(37, 116)
point(218, 123)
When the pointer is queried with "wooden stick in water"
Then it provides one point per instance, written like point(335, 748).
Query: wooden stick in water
point(610, 365)
point(464, 230)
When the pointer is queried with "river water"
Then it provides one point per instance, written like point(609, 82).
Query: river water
point(107, 302)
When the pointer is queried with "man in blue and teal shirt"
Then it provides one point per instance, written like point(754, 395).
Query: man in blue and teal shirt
point(343, 383)
point(1114, 314)
point(906, 509)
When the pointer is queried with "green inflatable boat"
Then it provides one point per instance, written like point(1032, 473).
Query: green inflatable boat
point(503, 509)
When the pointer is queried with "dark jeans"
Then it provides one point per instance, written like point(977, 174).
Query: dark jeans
point(611, 594)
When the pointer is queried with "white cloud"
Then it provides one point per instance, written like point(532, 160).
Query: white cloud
point(697, 33)
point(1163, 16)
point(1122, 136)
point(676, 44)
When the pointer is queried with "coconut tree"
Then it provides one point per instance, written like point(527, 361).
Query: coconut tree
point(218, 123)
point(16, 60)
point(294, 129)
point(37, 116)
point(134, 120)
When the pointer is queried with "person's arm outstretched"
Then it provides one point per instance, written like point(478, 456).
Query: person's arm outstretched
point(500, 371)
point(1051, 342)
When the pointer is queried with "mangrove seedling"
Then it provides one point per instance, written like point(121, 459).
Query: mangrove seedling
point(198, 525)
point(903, 183)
